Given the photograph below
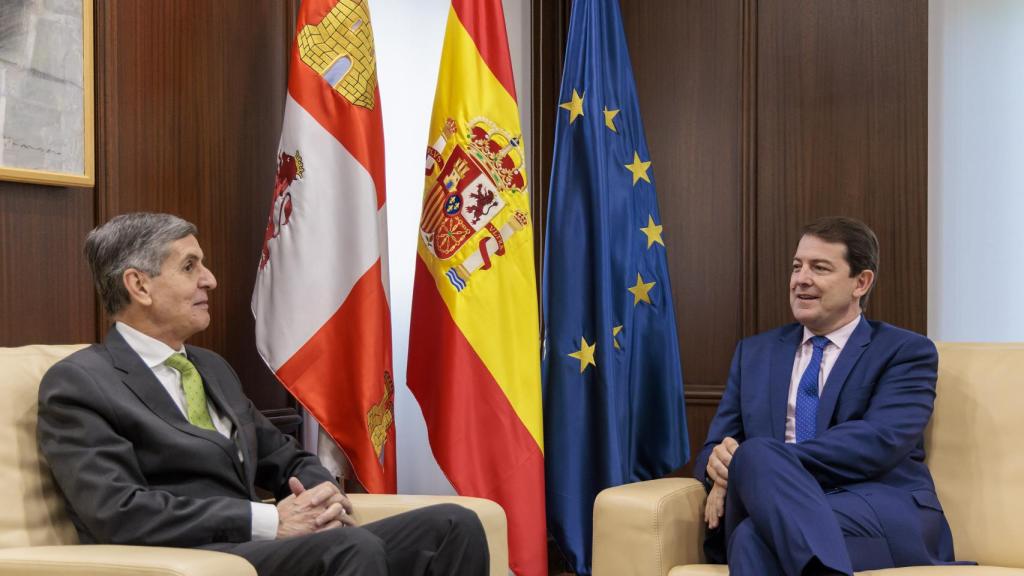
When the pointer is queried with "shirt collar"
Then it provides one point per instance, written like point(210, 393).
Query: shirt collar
point(838, 337)
point(152, 351)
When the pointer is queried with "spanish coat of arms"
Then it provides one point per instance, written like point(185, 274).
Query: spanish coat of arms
point(473, 175)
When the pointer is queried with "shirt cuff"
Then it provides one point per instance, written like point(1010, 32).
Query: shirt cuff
point(264, 521)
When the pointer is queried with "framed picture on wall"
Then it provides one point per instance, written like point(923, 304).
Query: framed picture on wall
point(46, 92)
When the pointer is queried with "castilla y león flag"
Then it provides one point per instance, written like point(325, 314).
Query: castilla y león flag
point(323, 323)
point(474, 344)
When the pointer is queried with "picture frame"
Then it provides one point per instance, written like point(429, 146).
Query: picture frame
point(47, 92)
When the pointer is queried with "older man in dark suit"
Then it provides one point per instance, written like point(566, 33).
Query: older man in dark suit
point(153, 442)
point(814, 461)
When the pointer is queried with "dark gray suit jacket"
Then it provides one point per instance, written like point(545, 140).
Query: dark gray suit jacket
point(134, 471)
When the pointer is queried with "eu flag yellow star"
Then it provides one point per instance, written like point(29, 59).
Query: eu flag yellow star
point(609, 119)
point(585, 354)
point(640, 290)
point(574, 106)
point(639, 169)
point(653, 232)
point(615, 333)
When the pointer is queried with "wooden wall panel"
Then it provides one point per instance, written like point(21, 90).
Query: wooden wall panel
point(192, 96)
point(842, 112)
point(46, 294)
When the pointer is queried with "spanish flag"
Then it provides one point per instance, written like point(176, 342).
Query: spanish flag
point(474, 349)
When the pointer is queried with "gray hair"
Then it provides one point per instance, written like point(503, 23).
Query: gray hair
point(140, 240)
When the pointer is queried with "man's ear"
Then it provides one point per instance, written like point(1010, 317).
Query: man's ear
point(864, 281)
point(137, 284)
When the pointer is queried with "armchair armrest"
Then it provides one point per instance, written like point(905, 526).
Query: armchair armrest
point(106, 560)
point(646, 528)
point(373, 507)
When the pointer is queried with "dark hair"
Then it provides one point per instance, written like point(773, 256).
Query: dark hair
point(139, 240)
point(860, 241)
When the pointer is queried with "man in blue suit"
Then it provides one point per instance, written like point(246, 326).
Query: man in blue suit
point(814, 462)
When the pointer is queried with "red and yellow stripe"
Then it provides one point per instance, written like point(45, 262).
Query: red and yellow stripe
point(474, 355)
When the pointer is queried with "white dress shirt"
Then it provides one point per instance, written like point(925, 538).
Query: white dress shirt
point(837, 340)
point(153, 353)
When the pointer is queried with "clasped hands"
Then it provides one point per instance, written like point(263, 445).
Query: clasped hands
point(322, 507)
point(718, 471)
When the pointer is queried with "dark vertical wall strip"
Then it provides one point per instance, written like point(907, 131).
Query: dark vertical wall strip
point(550, 27)
point(762, 115)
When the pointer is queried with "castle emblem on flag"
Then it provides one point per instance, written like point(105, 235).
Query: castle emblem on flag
point(476, 173)
point(380, 417)
point(340, 50)
point(289, 169)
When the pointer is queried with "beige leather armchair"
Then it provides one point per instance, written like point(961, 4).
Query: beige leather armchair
point(37, 538)
point(975, 452)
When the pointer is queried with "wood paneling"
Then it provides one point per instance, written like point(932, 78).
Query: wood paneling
point(46, 294)
point(192, 99)
point(760, 116)
point(700, 410)
point(842, 101)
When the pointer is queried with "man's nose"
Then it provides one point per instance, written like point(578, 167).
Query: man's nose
point(208, 280)
point(801, 276)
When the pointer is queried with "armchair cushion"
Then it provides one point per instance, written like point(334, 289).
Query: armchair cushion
point(33, 514)
point(974, 449)
point(646, 528)
point(117, 560)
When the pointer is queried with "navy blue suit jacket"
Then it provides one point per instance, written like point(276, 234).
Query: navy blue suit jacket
point(872, 414)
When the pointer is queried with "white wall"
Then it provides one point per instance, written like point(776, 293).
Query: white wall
point(408, 36)
point(976, 170)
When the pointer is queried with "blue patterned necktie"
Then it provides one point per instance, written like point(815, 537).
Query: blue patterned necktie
point(806, 413)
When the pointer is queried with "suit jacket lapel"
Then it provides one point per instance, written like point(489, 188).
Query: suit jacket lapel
point(140, 379)
point(144, 384)
point(780, 375)
point(855, 346)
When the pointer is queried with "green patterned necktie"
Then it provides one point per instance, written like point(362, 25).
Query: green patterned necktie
point(195, 396)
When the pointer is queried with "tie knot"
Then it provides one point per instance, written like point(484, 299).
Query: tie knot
point(819, 342)
point(180, 363)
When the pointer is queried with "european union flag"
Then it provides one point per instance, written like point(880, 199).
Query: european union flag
point(613, 385)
